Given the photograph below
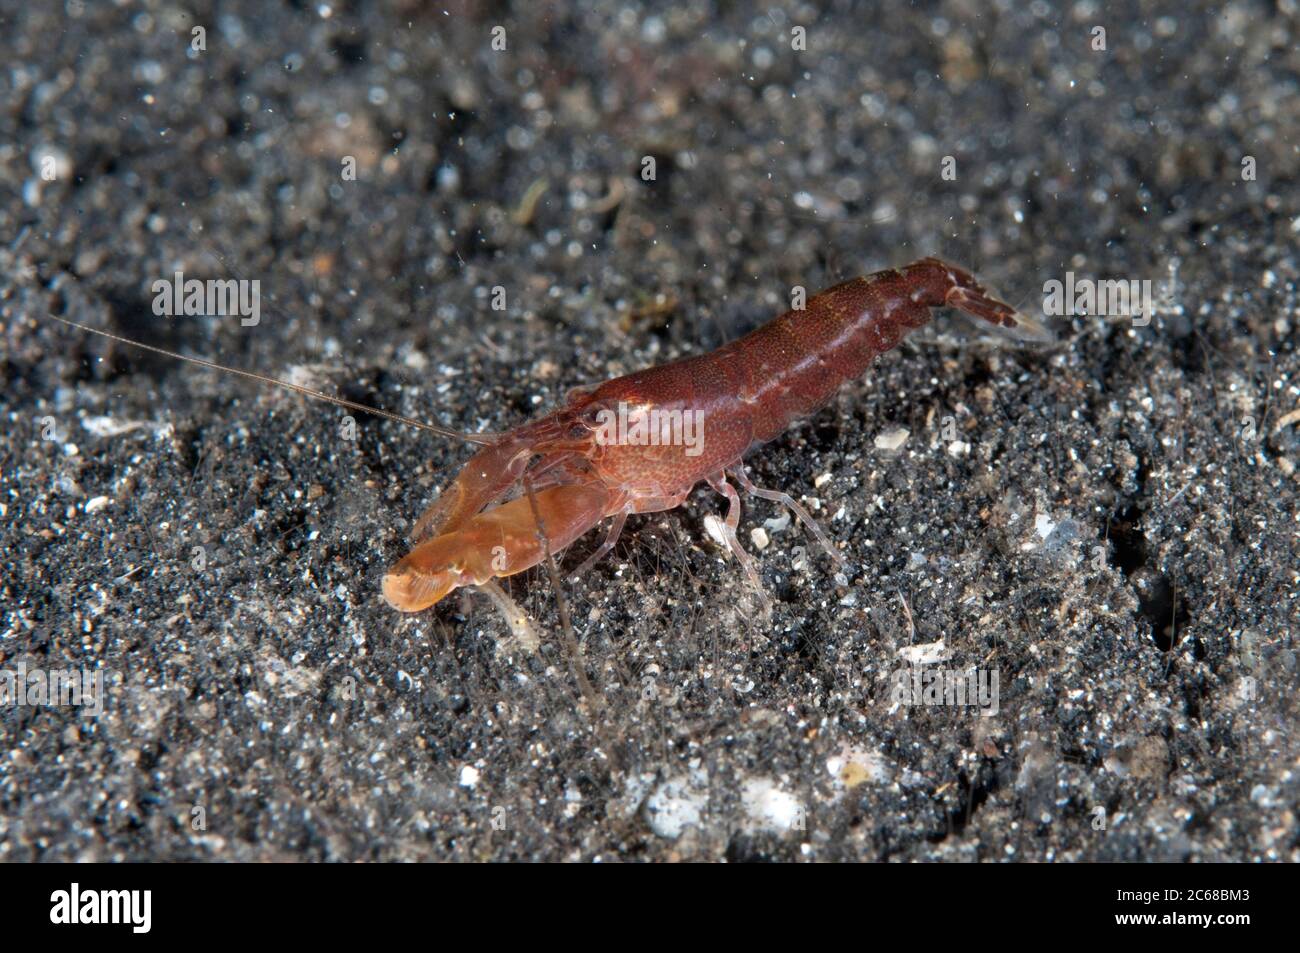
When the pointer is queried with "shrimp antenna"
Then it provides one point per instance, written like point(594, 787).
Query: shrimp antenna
point(480, 438)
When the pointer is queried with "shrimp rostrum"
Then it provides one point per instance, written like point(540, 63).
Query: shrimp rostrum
point(642, 442)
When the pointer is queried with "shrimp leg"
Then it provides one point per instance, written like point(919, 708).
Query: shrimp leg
point(615, 529)
point(645, 504)
point(776, 496)
point(719, 482)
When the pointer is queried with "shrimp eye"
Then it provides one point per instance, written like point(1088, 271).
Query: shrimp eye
point(584, 423)
point(592, 416)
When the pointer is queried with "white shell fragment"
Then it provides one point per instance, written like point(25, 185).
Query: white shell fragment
point(769, 808)
point(713, 526)
point(924, 654)
point(891, 438)
point(678, 802)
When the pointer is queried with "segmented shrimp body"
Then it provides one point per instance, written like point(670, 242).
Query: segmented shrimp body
point(640, 443)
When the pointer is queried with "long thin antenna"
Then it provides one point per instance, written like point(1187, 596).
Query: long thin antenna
point(479, 438)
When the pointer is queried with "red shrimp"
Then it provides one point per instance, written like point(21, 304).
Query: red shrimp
point(580, 465)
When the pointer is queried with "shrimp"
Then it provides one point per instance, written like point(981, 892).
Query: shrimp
point(628, 445)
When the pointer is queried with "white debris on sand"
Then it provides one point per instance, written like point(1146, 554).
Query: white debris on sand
point(925, 653)
point(770, 808)
point(891, 438)
point(678, 803)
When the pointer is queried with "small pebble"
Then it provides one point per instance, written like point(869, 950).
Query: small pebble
point(891, 438)
point(778, 523)
point(713, 526)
